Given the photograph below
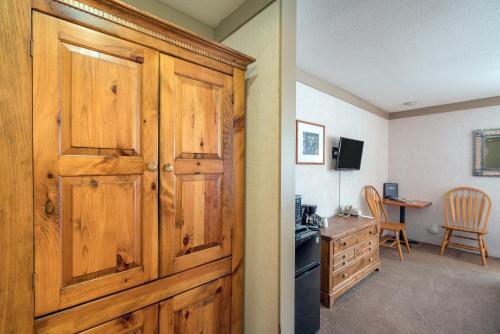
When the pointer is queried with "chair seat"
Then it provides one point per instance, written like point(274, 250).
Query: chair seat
point(463, 229)
point(392, 226)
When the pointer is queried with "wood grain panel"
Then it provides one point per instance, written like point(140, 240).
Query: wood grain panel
point(100, 165)
point(95, 215)
point(200, 310)
point(199, 117)
point(102, 218)
point(108, 308)
point(238, 231)
point(16, 183)
point(144, 321)
point(196, 155)
point(199, 166)
point(145, 25)
point(103, 99)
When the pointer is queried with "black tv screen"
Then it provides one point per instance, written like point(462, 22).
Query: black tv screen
point(350, 153)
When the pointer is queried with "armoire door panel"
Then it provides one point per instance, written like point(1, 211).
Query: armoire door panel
point(101, 95)
point(198, 119)
point(101, 220)
point(196, 175)
point(205, 309)
point(143, 321)
point(95, 157)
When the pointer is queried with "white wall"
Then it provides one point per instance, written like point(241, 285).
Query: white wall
point(429, 155)
point(260, 38)
point(319, 184)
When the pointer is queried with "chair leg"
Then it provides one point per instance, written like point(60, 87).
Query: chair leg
point(444, 243)
point(482, 250)
point(485, 248)
point(405, 238)
point(398, 244)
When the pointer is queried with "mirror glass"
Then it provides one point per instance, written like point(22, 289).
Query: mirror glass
point(491, 151)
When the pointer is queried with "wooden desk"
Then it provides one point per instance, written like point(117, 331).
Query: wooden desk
point(349, 253)
point(403, 206)
point(402, 211)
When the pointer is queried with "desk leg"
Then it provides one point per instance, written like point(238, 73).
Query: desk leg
point(402, 220)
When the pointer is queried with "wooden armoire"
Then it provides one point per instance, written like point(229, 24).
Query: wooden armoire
point(138, 171)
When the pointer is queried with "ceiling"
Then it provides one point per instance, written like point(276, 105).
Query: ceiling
point(389, 52)
point(207, 11)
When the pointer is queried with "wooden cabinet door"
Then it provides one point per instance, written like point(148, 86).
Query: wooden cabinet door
point(196, 196)
point(95, 156)
point(144, 321)
point(205, 309)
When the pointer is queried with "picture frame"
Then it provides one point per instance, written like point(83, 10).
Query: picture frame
point(310, 143)
point(486, 152)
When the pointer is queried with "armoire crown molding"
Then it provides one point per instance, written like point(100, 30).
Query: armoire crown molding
point(120, 13)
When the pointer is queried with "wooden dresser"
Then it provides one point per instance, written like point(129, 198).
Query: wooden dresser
point(349, 253)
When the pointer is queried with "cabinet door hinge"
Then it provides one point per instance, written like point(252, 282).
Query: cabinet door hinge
point(31, 47)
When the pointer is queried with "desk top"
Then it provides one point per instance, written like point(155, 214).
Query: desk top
point(339, 227)
point(414, 204)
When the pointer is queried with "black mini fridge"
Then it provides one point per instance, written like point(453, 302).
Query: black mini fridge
point(307, 280)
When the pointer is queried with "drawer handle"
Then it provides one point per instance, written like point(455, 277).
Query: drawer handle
point(344, 243)
point(344, 256)
point(370, 243)
point(369, 249)
point(344, 263)
point(344, 276)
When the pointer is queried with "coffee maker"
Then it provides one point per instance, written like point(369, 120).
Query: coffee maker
point(309, 216)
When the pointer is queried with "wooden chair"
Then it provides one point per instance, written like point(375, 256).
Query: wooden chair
point(466, 210)
point(378, 211)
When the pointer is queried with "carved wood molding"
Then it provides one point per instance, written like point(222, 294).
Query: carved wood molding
point(98, 12)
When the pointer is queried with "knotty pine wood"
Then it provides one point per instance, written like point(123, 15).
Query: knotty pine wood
point(118, 20)
point(143, 321)
point(99, 23)
point(16, 185)
point(94, 235)
point(238, 232)
point(205, 309)
point(196, 199)
point(88, 315)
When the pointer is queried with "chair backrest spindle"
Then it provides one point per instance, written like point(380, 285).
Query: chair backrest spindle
point(375, 204)
point(468, 208)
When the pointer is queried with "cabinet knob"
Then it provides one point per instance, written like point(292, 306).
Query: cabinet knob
point(152, 166)
point(344, 276)
point(344, 243)
point(371, 259)
point(344, 263)
point(344, 256)
point(168, 168)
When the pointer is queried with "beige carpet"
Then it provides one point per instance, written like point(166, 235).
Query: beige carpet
point(426, 293)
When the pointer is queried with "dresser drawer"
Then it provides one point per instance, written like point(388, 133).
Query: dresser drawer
point(366, 247)
point(344, 259)
point(353, 269)
point(354, 239)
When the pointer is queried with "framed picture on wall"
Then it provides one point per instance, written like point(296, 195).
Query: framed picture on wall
point(310, 143)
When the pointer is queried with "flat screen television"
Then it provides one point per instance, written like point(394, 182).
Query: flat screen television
point(350, 153)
